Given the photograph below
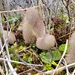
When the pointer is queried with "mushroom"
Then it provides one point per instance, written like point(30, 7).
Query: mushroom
point(11, 36)
point(32, 25)
point(70, 58)
point(46, 42)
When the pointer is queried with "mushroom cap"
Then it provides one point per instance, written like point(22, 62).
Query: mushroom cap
point(46, 42)
point(11, 36)
point(35, 21)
